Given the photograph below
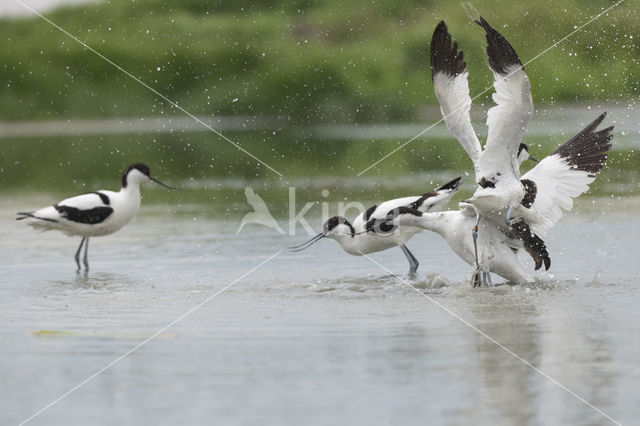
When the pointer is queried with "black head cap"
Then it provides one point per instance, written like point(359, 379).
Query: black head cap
point(330, 224)
point(142, 168)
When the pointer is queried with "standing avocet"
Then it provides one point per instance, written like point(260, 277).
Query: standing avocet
point(94, 213)
point(370, 232)
point(551, 186)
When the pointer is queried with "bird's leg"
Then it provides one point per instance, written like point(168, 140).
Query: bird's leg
point(85, 260)
point(508, 218)
point(482, 278)
point(413, 262)
point(77, 256)
point(489, 282)
point(476, 278)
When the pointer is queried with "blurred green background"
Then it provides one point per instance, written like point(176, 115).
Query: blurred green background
point(301, 65)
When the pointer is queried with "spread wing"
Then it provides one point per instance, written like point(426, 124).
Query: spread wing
point(508, 119)
point(566, 174)
point(449, 74)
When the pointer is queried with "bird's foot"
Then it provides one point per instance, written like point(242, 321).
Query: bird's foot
point(476, 278)
point(481, 278)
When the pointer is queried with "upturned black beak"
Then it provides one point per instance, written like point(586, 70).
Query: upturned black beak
point(533, 159)
point(306, 244)
point(163, 184)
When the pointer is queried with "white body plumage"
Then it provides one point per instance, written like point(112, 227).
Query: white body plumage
point(370, 231)
point(95, 213)
point(124, 203)
point(496, 251)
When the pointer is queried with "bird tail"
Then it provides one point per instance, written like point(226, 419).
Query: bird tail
point(26, 215)
point(39, 223)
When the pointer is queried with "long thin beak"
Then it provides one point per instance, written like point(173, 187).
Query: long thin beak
point(533, 159)
point(163, 184)
point(307, 244)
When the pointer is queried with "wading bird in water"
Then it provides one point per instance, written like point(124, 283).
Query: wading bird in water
point(523, 207)
point(95, 213)
point(370, 232)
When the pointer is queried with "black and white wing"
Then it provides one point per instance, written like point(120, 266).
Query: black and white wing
point(90, 208)
point(565, 175)
point(433, 201)
point(449, 74)
point(508, 119)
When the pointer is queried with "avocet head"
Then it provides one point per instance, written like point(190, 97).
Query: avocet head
point(523, 154)
point(335, 228)
point(139, 173)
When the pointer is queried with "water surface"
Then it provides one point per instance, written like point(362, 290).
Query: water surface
point(317, 337)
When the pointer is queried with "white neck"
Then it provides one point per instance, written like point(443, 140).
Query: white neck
point(434, 222)
point(348, 242)
point(131, 190)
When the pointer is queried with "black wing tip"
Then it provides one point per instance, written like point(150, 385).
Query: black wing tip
point(502, 55)
point(454, 184)
point(533, 244)
point(444, 53)
point(23, 215)
point(483, 23)
point(588, 150)
point(608, 130)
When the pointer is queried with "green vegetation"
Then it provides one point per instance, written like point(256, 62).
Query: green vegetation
point(307, 61)
point(75, 165)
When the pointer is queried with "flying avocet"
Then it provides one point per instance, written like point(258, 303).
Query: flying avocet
point(94, 213)
point(551, 186)
point(370, 232)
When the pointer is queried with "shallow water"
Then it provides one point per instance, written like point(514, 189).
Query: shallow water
point(317, 337)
